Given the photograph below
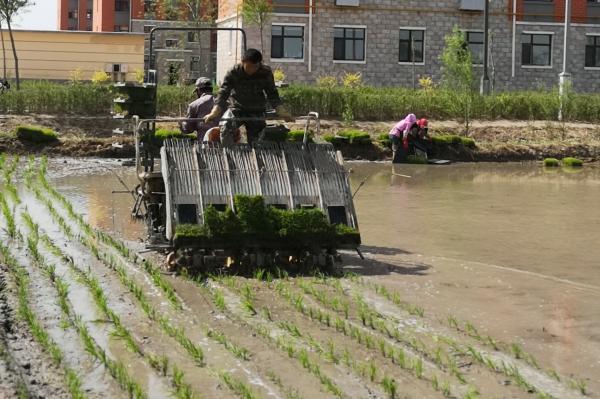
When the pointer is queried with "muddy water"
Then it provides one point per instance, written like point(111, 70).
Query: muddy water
point(510, 247)
point(509, 215)
point(512, 215)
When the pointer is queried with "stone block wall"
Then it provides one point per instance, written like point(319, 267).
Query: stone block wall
point(383, 19)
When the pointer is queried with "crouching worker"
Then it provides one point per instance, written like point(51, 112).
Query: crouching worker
point(422, 142)
point(399, 138)
point(198, 109)
point(248, 86)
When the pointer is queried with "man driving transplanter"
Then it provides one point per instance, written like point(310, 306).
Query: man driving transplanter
point(248, 86)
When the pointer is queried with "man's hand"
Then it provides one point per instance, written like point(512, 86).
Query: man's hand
point(214, 114)
point(283, 113)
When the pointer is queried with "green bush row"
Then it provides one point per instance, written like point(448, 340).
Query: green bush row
point(369, 103)
point(255, 221)
point(364, 103)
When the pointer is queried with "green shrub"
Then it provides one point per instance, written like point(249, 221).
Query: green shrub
point(330, 138)
point(35, 134)
point(163, 134)
point(416, 159)
point(384, 140)
point(278, 133)
point(551, 162)
point(570, 161)
point(298, 136)
point(446, 139)
point(467, 142)
point(355, 136)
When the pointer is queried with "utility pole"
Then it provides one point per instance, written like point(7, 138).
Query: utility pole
point(564, 78)
point(484, 89)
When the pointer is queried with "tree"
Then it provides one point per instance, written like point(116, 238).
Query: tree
point(257, 12)
point(3, 50)
point(8, 10)
point(457, 74)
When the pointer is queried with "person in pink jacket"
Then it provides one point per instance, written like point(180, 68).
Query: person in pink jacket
point(399, 134)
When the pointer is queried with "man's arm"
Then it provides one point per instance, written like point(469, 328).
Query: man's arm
point(271, 91)
point(225, 91)
point(186, 126)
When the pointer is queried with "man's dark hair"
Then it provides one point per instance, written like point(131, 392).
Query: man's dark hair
point(252, 56)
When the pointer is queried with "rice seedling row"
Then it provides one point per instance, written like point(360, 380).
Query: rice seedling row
point(367, 371)
point(382, 323)
point(117, 264)
point(466, 328)
point(480, 357)
point(407, 360)
point(182, 389)
point(154, 272)
point(21, 279)
point(117, 369)
point(285, 346)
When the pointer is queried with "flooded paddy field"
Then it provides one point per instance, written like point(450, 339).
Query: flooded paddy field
point(478, 281)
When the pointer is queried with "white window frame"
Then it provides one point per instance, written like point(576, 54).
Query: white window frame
point(291, 60)
point(424, 44)
point(597, 68)
point(350, 61)
point(534, 32)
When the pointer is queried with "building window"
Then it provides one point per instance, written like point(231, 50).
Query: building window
point(592, 52)
point(121, 5)
point(191, 37)
point(121, 28)
point(171, 43)
point(290, 6)
point(287, 42)
point(475, 45)
point(148, 28)
point(537, 49)
point(149, 5)
point(411, 45)
point(349, 44)
point(73, 14)
point(88, 14)
point(195, 64)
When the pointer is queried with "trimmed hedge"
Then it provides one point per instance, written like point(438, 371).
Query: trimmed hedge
point(36, 134)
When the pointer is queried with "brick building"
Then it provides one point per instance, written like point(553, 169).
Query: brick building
point(179, 56)
point(99, 15)
point(395, 43)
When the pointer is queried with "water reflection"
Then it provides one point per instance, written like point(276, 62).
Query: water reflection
point(517, 215)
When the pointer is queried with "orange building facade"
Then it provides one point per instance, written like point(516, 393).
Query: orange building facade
point(99, 15)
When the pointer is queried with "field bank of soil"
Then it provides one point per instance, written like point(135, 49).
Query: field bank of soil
point(500, 141)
